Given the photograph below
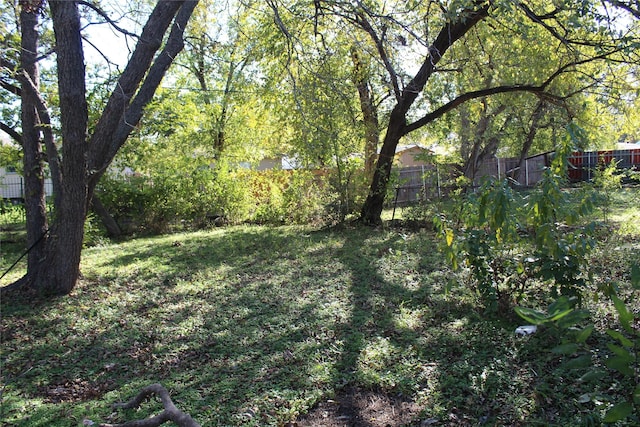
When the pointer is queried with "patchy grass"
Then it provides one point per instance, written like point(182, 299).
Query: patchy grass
point(254, 326)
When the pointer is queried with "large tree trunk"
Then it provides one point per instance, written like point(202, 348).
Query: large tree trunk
point(56, 269)
point(373, 205)
point(66, 238)
point(397, 128)
point(31, 143)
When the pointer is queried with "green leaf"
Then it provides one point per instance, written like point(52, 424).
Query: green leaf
point(636, 395)
point(559, 315)
point(578, 362)
point(569, 348)
point(532, 316)
point(618, 412)
point(584, 334)
point(620, 364)
point(635, 276)
point(621, 338)
point(572, 318)
point(620, 352)
point(561, 305)
point(624, 315)
point(593, 375)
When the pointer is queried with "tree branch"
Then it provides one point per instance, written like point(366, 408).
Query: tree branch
point(106, 17)
point(10, 88)
point(45, 120)
point(53, 157)
point(448, 35)
point(17, 137)
point(439, 112)
point(537, 89)
point(628, 6)
point(540, 20)
point(113, 115)
point(362, 21)
point(133, 114)
point(170, 413)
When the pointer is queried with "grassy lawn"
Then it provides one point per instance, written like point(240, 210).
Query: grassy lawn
point(253, 326)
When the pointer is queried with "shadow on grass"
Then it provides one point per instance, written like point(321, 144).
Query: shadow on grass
point(253, 326)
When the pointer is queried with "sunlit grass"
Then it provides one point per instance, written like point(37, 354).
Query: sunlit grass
point(254, 325)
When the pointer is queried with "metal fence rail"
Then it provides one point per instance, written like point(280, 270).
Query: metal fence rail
point(12, 187)
point(584, 164)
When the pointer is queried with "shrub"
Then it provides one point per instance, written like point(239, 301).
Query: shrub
point(607, 364)
point(208, 195)
point(506, 239)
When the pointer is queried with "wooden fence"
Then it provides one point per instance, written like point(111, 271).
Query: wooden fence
point(428, 181)
point(584, 164)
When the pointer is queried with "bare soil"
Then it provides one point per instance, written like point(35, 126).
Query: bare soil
point(353, 407)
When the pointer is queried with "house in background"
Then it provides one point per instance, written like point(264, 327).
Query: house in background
point(12, 185)
point(279, 162)
point(412, 155)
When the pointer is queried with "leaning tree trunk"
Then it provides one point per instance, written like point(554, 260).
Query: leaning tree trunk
point(397, 128)
point(373, 205)
point(110, 224)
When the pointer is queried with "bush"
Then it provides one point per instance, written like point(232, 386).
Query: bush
point(506, 239)
point(209, 196)
point(600, 366)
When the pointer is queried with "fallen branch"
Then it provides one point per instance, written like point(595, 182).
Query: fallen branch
point(170, 413)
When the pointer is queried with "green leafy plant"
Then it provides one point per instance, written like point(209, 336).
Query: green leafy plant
point(488, 242)
point(620, 367)
point(606, 180)
point(506, 239)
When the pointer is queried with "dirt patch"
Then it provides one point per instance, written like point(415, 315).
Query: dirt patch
point(361, 408)
point(75, 390)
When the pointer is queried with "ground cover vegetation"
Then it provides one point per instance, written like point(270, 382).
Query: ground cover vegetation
point(333, 85)
point(256, 325)
point(300, 323)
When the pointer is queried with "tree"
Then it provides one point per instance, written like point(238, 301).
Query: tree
point(578, 31)
point(217, 53)
point(82, 158)
point(369, 109)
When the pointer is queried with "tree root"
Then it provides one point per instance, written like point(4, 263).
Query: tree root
point(170, 413)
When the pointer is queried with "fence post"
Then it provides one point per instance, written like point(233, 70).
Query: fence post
point(424, 183)
point(438, 180)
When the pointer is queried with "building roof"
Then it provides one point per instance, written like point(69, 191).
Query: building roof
point(402, 148)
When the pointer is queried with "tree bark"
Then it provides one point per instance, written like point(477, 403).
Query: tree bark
point(33, 157)
point(170, 413)
point(369, 114)
point(477, 144)
point(528, 142)
point(450, 33)
point(56, 268)
point(113, 229)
